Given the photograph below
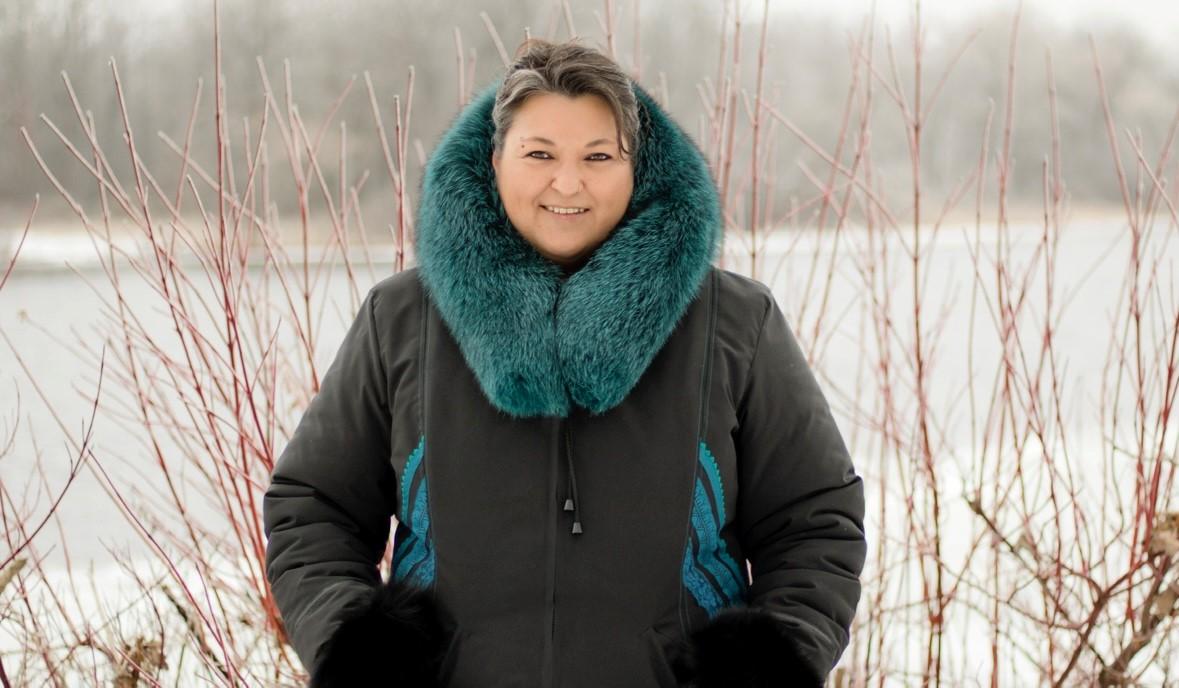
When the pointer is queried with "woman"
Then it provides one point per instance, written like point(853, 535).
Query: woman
point(583, 428)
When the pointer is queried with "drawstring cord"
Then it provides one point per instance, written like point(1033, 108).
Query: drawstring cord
point(572, 502)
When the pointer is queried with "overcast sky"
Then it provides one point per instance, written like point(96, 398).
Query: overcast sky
point(1158, 19)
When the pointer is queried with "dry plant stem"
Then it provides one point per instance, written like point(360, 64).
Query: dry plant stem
point(1144, 506)
point(211, 624)
point(1051, 201)
point(1114, 674)
point(395, 175)
point(877, 203)
point(876, 621)
point(293, 154)
point(231, 331)
point(343, 199)
point(92, 463)
point(1171, 379)
point(38, 638)
point(274, 251)
point(729, 122)
point(1133, 323)
point(895, 447)
point(331, 209)
point(402, 137)
point(1147, 492)
point(471, 64)
point(713, 104)
point(754, 147)
point(20, 243)
point(196, 102)
point(637, 72)
point(460, 61)
point(607, 26)
point(934, 599)
point(716, 99)
point(567, 12)
point(828, 190)
point(257, 539)
point(75, 466)
point(157, 450)
point(994, 614)
point(178, 311)
point(194, 628)
point(499, 44)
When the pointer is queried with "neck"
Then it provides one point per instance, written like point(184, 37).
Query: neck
point(567, 270)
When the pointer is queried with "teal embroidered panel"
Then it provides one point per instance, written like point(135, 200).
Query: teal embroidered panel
point(710, 573)
point(413, 550)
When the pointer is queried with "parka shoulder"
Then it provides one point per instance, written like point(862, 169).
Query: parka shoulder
point(397, 296)
point(399, 306)
point(751, 297)
point(743, 304)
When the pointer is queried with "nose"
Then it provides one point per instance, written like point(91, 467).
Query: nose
point(567, 180)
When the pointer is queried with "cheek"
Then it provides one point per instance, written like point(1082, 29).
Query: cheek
point(511, 191)
point(621, 191)
point(522, 190)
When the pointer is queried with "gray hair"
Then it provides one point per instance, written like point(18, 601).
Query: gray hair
point(568, 69)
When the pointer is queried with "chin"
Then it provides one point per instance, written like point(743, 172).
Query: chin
point(564, 255)
point(568, 262)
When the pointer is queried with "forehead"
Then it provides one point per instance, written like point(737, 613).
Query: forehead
point(558, 117)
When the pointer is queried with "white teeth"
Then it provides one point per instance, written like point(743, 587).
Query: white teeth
point(564, 211)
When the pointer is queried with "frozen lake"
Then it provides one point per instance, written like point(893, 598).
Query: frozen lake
point(46, 313)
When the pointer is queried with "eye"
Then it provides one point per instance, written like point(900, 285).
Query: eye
point(604, 156)
point(535, 153)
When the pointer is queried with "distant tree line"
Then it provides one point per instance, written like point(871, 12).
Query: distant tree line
point(161, 55)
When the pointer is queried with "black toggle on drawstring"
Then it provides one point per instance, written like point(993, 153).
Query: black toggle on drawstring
point(571, 502)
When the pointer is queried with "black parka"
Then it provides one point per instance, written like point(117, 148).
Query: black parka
point(624, 477)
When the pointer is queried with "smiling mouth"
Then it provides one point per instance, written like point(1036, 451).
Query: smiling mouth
point(557, 210)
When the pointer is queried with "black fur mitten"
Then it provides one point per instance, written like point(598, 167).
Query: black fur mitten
point(745, 648)
point(395, 639)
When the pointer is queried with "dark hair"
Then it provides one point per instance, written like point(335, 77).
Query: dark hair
point(569, 69)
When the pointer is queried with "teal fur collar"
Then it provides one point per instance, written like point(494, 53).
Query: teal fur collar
point(539, 342)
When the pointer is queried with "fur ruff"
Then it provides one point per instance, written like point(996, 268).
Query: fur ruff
point(395, 638)
point(538, 343)
point(745, 648)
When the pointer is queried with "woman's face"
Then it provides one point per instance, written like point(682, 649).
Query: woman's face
point(562, 153)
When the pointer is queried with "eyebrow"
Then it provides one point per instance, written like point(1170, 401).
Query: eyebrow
point(541, 139)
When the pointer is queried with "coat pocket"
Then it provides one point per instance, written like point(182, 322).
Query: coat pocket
point(658, 646)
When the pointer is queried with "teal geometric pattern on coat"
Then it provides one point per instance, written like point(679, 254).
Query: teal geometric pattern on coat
point(413, 556)
point(709, 571)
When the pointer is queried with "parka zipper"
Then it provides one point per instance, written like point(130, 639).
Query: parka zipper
point(546, 670)
point(562, 433)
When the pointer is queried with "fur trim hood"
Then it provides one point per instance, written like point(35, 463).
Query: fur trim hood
point(539, 342)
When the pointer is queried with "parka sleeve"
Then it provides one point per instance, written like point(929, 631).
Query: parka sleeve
point(800, 519)
point(326, 512)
